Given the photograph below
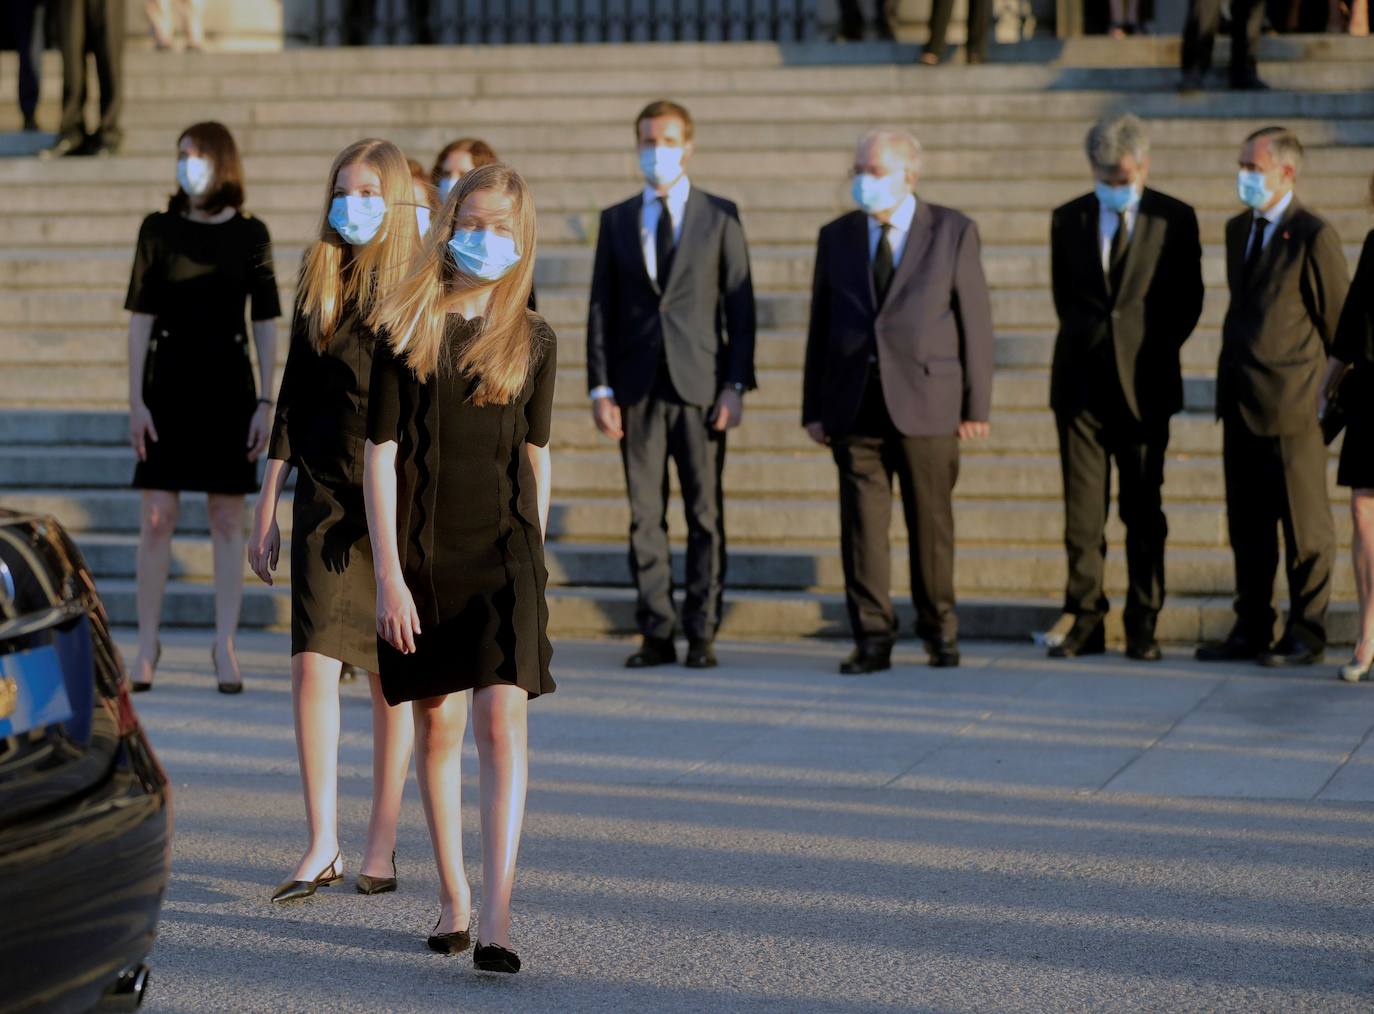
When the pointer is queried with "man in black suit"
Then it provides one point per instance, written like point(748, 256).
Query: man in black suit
point(899, 359)
point(95, 27)
point(1126, 265)
point(1288, 278)
point(20, 16)
point(670, 354)
point(1199, 36)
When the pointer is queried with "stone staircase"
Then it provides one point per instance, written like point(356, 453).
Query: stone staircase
point(775, 129)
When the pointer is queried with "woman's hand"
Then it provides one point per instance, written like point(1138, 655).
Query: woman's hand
point(264, 544)
point(398, 621)
point(259, 431)
point(141, 429)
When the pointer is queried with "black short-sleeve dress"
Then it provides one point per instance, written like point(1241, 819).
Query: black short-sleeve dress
point(467, 520)
point(320, 428)
point(194, 278)
point(1354, 344)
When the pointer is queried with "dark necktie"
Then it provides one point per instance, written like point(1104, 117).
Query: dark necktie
point(663, 242)
point(1116, 256)
point(1252, 254)
point(882, 263)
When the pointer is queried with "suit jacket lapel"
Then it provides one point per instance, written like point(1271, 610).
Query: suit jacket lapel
point(1271, 248)
point(1144, 239)
point(630, 229)
point(859, 259)
point(692, 234)
point(1092, 242)
point(916, 239)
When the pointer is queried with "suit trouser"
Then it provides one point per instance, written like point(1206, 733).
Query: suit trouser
point(926, 469)
point(20, 15)
point(1089, 441)
point(979, 22)
point(659, 428)
point(97, 27)
point(1200, 32)
point(1273, 481)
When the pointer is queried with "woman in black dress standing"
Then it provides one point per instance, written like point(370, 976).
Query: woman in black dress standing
point(1354, 345)
point(195, 418)
point(367, 238)
point(457, 486)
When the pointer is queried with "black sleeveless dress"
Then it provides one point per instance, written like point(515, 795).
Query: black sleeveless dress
point(467, 525)
point(1354, 344)
point(320, 428)
point(194, 278)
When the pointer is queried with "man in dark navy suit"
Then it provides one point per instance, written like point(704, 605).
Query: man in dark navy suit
point(670, 354)
point(899, 360)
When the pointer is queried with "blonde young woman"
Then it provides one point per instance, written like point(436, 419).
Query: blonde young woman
point(368, 235)
point(457, 485)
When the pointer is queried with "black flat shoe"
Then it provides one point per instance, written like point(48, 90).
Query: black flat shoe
point(1236, 648)
point(943, 653)
point(863, 661)
point(451, 943)
point(224, 686)
point(1144, 649)
point(1088, 636)
point(143, 686)
point(653, 651)
point(378, 885)
point(494, 958)
point(701, 655)
point(295, 890)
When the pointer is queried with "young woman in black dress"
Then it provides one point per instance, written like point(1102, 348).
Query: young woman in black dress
point(195, 418)
point(367, 238)
point(1354, 345)
point(457, 486)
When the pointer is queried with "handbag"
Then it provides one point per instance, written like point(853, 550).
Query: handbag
point(1333, 416)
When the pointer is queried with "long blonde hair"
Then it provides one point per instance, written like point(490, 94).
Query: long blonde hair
point(502, 352)
point(332, 274)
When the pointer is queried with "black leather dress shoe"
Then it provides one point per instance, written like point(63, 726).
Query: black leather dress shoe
point(1291, 652)
point(653, 651)
point(1249, 84)
point(65, 146)
point(1143, 648)
point(701, 655)
point(944, 653)
point(864, 660)
point(1087, 636)
point(1236, 648)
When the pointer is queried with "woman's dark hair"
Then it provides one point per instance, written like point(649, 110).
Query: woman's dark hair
point(481, 152)
point(215, 143)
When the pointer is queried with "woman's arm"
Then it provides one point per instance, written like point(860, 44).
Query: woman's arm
point(265, 339)
point(264, 543)
point(398, 621)
point(542, 463)
point(141, 428)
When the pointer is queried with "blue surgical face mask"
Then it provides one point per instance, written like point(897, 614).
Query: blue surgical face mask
point(1117, 199)
point(483, 254)
point(357, 219)
point(660, 165)
point(194, 175)
point(878, 193)
point(1251, 189)
point(446, 186)
point(422, 219)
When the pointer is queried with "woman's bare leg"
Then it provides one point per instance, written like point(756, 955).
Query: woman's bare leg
point(227, 533)
point(157, 524)
point(439, 726)
point(393, 735)
point(1362, 550)
point(499, 725)
point(315, 702)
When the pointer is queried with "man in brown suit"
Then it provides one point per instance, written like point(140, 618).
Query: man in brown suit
point(899, 363)
point(1288, 279)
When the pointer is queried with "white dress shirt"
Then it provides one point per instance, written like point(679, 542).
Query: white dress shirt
point(648, 238)
point(648, 220)
point(896, 236)
point(1272, 217)
point(1107, 223)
